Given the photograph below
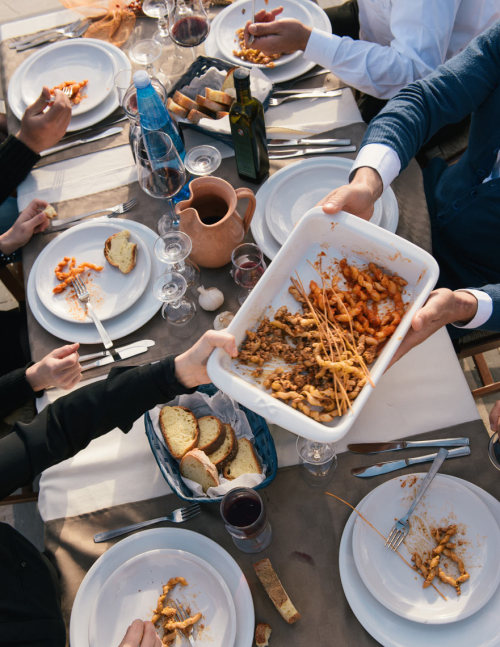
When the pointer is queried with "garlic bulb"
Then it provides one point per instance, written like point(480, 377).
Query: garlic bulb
point(223, 319)
point(210, 298)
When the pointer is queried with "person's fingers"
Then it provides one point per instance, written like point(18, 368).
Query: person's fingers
point(495, 417)
point(150, 637)
point(222, 339)
point(60, 111)
point(133, 635)
point(65, 351)
point(262, 29)
point(40, 104)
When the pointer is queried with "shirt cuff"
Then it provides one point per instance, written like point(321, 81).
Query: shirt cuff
point(380, 157)
point(484, 309)
point(322, 47)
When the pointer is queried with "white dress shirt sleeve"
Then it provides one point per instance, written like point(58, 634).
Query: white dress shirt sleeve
point(380, 157)
point(421, 31)
point(484, 309)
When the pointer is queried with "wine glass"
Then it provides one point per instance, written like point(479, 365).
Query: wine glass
point(248, 267)
point(161, 173)
point(173, 248)
point(171, 288)
point(158, 9)
point(144, 53)
point(188, 23)
point(318, 459)
point(202, 160)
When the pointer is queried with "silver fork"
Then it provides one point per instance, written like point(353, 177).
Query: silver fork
point(277, 101)
point(182, 615)
point(116, 210)
point(74, 32)
point(401, 528)
point(177, 516)
point(84, 296)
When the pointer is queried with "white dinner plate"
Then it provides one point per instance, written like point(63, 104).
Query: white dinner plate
point(132, 319)
point(261, 232)
point(133, 589)
point(78, 121)
point(281, 73)
point(111, 291)
point(71, 60)
point(392, 630)
point(299, 187)
point(235, 17)
point(145, 541)
point(393, 583)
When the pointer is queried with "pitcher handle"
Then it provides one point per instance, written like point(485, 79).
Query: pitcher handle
point(244, 192)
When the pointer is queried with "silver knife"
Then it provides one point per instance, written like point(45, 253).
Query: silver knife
point(283, 143)
point(82, 140)
point(251, 37)
point(104, 353)
point(302, 90)
point(126, 353)
point(391, 466)
point(285, 154)
point(375, 448)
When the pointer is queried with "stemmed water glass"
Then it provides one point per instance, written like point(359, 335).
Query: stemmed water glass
point(171, 288)
point(248, 266)
point(318, 459)
point(145, 53)
point(173, 248)
point(202, 160)
point(161, 173)
point(188, 23)
point(158, 9)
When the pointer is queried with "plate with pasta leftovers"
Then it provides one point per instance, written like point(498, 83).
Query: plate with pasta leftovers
point(447, 567)
point(149, 585)
point(112, 261)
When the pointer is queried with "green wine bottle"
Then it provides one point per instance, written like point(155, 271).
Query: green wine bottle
point(248, 130)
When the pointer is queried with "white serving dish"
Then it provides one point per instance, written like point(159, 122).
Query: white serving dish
point(343, 235)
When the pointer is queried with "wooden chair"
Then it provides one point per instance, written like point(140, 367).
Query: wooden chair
point(12, 277)
point(26, 495)
point(474, 345)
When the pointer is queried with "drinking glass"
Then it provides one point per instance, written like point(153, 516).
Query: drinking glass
point(245, 518)
point(494, 450)
point(161, 173)
point(158, 9)
point(145, 53)
point(171, 288)
point(188, 23)
point(173, 248)
point(248, 267)
point(202, 160)
point(318, 459)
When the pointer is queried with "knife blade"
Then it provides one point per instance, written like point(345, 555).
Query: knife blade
point(375, 448)
point(286, 154)
point(391, 466)
point(283, 143)
point(104, 353)
point(136, 349)
point(82, 140)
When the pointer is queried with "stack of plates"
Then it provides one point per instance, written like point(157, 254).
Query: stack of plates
point(71, 60)
point(387, 597)
point(288, 194)
point(124, 301)
point(125, 582)
point(221, 39)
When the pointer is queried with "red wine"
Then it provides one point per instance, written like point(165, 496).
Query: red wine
point(210, 208)
point(243, 511)
point(190, 31)
point(248, 273)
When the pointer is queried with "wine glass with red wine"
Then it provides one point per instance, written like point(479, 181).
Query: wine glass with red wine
point(188, 23)
point(248, 267)
point(161, 172)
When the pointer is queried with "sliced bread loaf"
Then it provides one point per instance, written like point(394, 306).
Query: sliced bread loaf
point(120, 252)
point(196, 465)
point(227, 451)
point(246, 461)
point(180, 430)
point(212, 434)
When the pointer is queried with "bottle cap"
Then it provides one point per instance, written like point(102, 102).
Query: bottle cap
point(141, 79)
point(241, 77)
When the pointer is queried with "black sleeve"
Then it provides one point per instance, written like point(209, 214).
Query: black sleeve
point(16, 161)
point(15, 390)
point(72, 421)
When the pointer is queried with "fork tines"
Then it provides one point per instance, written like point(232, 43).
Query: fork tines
point(395, 539)
point(190, 511)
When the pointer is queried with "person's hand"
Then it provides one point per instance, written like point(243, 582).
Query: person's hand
point(277, 37)
point(141, 634)
point(357, 197)
point(40, 128)
point(495, 417)
point(30, 221)
point(60, 368)
point(442, 307)
point(191, 366)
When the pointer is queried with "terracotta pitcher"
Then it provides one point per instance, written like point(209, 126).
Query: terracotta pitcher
point(210, 218)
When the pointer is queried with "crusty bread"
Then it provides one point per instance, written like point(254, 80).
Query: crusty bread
point(196, 465)
point(184, 101)
point(195, 115)
point(213, 106)
point(120, 252)
point(221, 113)
point(180, 430)
point(50, 212)
point(246, 461)
point(262, 634)
point(212, 434)
point(227, 451)
point(176, 109)
point(218, 96)
point(275, 590)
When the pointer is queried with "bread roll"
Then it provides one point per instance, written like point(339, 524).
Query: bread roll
point(180, 430)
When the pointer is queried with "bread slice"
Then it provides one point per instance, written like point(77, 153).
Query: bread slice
point(184, 101)
point(180, 430)
point(176, 109)
point(221, 113)
point(262, 634)
point(120, 252)
point(196, 465)
point(50, 212)
point(219, 97)
point(213, 106)
point(275, 590)
point(195, 115)
point(246, 461)
point(212, 434)
point(227, 451)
